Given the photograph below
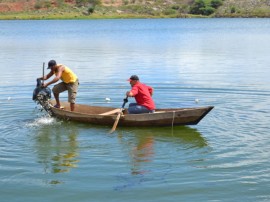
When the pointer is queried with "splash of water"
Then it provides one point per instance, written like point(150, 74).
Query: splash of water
point(43, 121)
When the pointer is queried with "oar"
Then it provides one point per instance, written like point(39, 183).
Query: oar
point(119, 115)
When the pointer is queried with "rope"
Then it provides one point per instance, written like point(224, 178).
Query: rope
point(173, 121)
point(173, 118)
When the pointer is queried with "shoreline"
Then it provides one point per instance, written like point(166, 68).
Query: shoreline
point(113, 17)
point(96, 16)
point(120, 9)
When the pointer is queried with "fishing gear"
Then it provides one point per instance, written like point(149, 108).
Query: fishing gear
point(42, 96)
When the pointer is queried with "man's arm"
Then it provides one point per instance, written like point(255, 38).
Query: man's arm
point(129, 94)
point(56, 78)
point(47, 76)
point(151, 90)
point(133, 92)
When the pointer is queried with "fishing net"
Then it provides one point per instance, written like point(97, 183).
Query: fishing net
point(42, 96)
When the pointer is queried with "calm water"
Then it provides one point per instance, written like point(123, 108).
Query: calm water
point(221, 62)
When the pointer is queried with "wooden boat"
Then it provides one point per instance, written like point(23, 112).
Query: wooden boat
point(107, 115)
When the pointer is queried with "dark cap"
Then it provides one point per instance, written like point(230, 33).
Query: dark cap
point(51, 63)
point(134, 78)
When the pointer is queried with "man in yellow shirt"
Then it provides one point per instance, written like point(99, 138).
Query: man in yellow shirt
point(69, 82)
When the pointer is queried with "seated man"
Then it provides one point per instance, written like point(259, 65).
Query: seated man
point(143, 96)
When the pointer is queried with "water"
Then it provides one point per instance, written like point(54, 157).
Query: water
point(189, 62)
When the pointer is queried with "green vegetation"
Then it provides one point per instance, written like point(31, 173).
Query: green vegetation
point(205, 7)
point(88, 2)
point(93, 9)
point(42, 4)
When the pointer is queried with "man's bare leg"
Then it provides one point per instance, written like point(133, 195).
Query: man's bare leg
point(56, 96)
point(72, 106)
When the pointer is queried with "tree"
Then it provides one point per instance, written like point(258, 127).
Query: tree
point(203, 7)
point(197, 6)
point(208, 10)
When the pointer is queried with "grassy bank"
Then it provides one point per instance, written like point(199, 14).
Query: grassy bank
point(156, 9)
point(100, 13)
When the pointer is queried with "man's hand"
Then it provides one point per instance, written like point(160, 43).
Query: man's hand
point(44, 85)
point(129, 94)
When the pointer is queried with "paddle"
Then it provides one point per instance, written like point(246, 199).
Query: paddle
point(119, 115)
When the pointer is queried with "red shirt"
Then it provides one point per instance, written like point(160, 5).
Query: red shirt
point(142, 94)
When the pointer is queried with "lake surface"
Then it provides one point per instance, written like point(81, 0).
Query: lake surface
point(220, 62)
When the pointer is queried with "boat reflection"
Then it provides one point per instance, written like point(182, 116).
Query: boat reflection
point(140, 143)
point(57, 149)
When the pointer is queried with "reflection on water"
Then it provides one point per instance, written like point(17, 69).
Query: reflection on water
point(140, 146)
point(57, 149)
point(141, 153)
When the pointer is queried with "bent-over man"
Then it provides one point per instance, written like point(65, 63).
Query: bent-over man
point(69, 82)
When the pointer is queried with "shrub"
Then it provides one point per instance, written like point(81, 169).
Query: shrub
point(125, 2)
point(169, 12)
point(139, 9)
point(42, 4)
point(38, 5)
point(91, 10)
point(175, 7)
point(60, 3)
point(233, 9)
point(88, 2)
point(216, 3)
point(197, 6)
point(184, 9)
point(47, 4)
point(203, 7)
point(208, 10)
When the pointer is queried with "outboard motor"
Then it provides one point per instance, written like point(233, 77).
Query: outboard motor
point(42, 96)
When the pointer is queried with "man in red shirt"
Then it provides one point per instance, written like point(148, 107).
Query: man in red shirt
point(143, 96)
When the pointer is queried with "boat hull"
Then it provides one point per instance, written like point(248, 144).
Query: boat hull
point(162, 117)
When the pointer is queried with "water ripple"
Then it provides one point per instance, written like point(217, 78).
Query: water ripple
point(189, 62)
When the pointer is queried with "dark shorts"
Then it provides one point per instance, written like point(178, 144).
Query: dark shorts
point(72, 89)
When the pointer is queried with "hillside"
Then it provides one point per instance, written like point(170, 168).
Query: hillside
point(244, 8)
point(55, 9)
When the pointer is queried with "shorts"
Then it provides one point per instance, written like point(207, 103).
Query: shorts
point(72, 89)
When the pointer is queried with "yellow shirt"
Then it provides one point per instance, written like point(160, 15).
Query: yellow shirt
point(67, 75)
